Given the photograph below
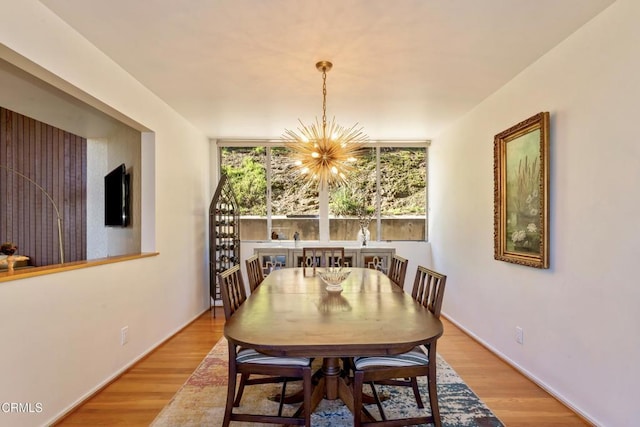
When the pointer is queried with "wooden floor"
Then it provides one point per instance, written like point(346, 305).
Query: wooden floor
point(138, 395)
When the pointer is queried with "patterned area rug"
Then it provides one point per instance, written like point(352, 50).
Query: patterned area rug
point(201, 400)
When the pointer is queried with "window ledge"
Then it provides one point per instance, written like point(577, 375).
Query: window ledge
point(24, 273)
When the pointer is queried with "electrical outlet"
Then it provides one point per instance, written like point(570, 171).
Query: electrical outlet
point(124, 335)
point(519, 335)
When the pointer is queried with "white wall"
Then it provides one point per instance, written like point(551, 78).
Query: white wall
point(103, 155)
point(124, 147)
point(580, 316)
point(60, 333)
point(97, 155)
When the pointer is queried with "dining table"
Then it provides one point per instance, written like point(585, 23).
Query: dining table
point(291, 313)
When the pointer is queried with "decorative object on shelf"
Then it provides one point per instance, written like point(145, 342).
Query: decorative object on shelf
point(363, 235)
point(224, 235)
point(333, 277)
point(296, 239)
point(325, 155)
point(364, 213)
point(48, 196)
point(9, 249)
point(521, 193)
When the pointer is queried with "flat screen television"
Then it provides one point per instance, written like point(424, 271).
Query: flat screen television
point(116, 197)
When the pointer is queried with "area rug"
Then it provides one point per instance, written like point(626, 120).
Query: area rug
point(201, 400)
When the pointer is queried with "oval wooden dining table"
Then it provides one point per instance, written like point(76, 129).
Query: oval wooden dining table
point(292, 314)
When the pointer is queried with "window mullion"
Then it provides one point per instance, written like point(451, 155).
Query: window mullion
point(268, 173)
point(323, 211)
point(378, 198)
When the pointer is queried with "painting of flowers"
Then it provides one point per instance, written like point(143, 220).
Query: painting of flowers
point(521, 178)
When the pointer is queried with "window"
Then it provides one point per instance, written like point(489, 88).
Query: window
point(403, 183)
point(388, 184)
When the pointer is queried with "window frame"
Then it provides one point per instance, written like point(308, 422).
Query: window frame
point(323, 214)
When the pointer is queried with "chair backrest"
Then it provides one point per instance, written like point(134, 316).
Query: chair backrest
point(428, 289)
point(232, 290)
point(398, 270)
point(254, 272)
point(322, 257)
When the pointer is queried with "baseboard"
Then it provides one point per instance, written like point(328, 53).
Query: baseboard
point(559, 397)
point(100, 387)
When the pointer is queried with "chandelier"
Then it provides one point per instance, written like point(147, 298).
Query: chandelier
point(325, 153)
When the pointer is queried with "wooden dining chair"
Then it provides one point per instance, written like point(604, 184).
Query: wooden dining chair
point(404, 369)
point(322, 257)
point(254, 272)
point(398, 270)
point(246, 362)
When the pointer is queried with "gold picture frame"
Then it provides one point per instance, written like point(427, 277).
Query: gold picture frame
point(521, 193)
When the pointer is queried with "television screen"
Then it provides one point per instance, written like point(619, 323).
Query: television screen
point(116, 197)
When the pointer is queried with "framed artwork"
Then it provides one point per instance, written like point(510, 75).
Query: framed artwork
point(521, 193)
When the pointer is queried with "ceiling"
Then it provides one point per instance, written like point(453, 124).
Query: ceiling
point(405, 69)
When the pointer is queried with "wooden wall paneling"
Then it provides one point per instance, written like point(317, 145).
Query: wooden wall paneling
point(30, 168)
point(56, 160)
point(3, 179)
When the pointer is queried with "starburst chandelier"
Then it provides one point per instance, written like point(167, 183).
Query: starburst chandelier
point(325, 153)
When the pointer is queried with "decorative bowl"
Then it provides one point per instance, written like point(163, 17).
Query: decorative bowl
point(333, 278)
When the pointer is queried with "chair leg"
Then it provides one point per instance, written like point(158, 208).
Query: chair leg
point(416, 392)
point(307, 397)
point(433, 400)
point(243, 380)
point(231, 391)
point(378, 401)
point(282, 396)
point(358, 379)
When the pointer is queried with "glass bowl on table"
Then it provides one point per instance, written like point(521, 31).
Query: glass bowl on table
point(333, 277)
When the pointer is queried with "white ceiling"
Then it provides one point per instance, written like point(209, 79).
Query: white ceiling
point(403, 69)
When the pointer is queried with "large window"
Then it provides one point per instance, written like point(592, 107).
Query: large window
point(387, 190)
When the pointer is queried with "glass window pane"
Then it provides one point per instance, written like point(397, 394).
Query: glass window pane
point(245, 167)
point(354, 202)
point(403, 180)
point(294, 202)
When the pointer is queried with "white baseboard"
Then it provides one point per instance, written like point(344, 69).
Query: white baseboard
point(56, 418)
point(524, 372)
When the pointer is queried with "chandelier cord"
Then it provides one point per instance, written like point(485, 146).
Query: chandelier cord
point(324, 102)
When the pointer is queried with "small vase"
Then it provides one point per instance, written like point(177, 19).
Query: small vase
point(364, 236)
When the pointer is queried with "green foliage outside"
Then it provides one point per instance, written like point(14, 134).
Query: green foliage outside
point(402, 183)
point(357, 196)
point(249, 182)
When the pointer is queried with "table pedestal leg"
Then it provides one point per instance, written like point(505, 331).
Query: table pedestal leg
point(331, 385)
point(331, 370)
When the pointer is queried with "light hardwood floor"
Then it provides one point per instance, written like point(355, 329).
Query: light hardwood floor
point(136, 397)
